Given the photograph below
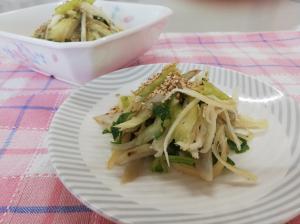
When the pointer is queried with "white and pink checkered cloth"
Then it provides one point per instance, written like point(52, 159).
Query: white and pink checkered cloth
point(30, 191)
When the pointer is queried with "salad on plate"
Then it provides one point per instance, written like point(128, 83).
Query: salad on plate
point(178, 121)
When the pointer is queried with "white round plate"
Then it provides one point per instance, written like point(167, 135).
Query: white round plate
point(79, 153)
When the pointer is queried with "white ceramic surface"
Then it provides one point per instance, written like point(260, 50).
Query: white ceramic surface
point(79, 153)
point(80, 62)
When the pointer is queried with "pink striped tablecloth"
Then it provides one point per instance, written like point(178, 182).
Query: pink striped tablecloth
point(30, 190)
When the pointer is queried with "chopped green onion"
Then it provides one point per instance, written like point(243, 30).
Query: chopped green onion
point(159, 165)
point(182, 159)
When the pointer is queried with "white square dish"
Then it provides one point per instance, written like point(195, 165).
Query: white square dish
point(79, 62)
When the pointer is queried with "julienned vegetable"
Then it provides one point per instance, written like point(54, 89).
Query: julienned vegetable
point(77, 20)
point(178, 121)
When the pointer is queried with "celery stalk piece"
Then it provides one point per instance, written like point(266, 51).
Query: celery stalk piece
point(158, 145)
point(175, 108)
point(169, 135)
point(126, 102)
point(70, 5)
point(147, 89)
point(208, 89)
point(153, 131)
point(183, 134)
point(149, 133)
point(63, 30)
point(135, 121)
point(229, 105)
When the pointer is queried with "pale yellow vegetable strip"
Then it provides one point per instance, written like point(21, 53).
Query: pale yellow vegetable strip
point(134, 154)
point(55, 19)
point(94, 11)
point(83, 27)
point(119, 157)
point(190, 74)
point(220, 141)
point(132, 170)
point(218, 167)
point(248, 122)
point(157, 144)
point(211, 130)
point(225, 104)
point(245, 134)
point(244, 173)
point(204, 165)
point(174, 125)
point(200, 129)
point(113, 158)
point(124, 146)
point(63, 30)
point(101, 29)
point(191, 171)
point(105, 121)
point(136, 120)
point(233, 136)
point(200, 138)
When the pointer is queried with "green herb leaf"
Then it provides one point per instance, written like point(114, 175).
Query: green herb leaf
point(244, 145)
point(116, 133)
point(123, 117)
point(230, 161)
point(162, 111)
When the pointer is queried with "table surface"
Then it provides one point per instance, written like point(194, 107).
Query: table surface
point(214, 15)
point(30, 190)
